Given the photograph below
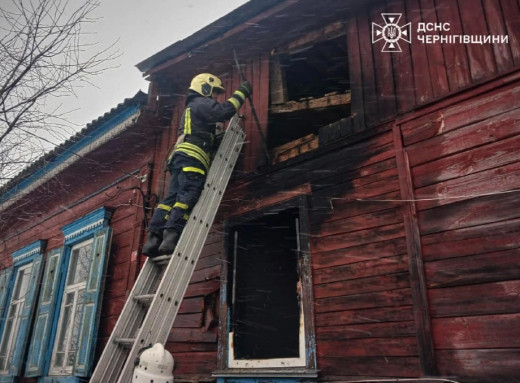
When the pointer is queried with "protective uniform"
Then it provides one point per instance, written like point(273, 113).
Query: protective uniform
point(155, 365)
point(191, 159)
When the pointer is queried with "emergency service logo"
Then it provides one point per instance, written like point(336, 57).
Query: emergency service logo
point(391, 32)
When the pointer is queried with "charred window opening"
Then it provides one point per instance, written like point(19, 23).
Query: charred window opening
point(309, 88)
point(265, 299)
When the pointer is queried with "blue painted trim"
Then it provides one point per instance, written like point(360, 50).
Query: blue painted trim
point(70, 151)
point(60, 379)
point(86, 226)
point(57, 307)
point(28, 252)
point(264, 380)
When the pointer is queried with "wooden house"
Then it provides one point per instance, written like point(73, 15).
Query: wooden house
point(377, 240)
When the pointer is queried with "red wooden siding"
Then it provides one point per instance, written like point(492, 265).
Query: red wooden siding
point(423, 73)
point(465, 163)
point(363, 302)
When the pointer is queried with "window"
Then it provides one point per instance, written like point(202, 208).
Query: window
point(269, 301)
point(309, 89)
point(66, 346)
point(14, 315)
point(17, 292)
point(64, 334)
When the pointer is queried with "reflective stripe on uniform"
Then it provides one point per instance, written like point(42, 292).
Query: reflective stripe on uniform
point(235, 102)
point(195, 152)
point(181, 205)
point(164, 207)
point(186, 217)
point(193, 169)
point(187, 121)
point(240, 94)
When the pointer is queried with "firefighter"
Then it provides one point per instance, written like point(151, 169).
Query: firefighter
point(190, 160)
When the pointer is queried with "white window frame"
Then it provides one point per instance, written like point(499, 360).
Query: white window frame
point(17, 304)
point(300, 361)
point(65, 370)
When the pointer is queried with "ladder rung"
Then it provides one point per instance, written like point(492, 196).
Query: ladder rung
point(125, 342)
point(162, 259)
point(145, 298)
point(150, 320)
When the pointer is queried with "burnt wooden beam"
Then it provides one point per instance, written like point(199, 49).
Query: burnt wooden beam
point(415, 260)
point(278, 89)
point(312, 103)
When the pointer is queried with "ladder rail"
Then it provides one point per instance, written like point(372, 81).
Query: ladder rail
point(145, 326)
point(164, 308)
point(114, 355)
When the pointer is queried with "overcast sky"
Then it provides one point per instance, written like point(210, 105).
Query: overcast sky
point(141, 29)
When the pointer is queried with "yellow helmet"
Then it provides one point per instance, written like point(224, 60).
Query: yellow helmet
point(205, 83)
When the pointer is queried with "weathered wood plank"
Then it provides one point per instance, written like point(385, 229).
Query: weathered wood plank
point(386, 96)
point(496, 25)
point(371, 366)
point(494, 102)
point(360, 316)
point(193, 320)
point(367, 68)
point(489, 331)
point(494, 365)
point(421, 74)
point(362, 285)
point(497, 236)
point(492, 181)
point(192, 335)
point(355, 75)
point(206, 274)
point(474, 212)
point(371, 171)
point(398, 297)
point(343, 241)
point(368, 347)
point(495, 155)
point(481, 60)
point(195, 363)
point(371, 330)
point(402, 64)
point(178, 347)
point(372, 250)
point(482, 268)
point(312, 103)
point(277, 86)
point(493, 129)
point(436, 61)
point(202, 288)
point(380, 266)
point(361, 222)
point(482, 299)
point(511, 13)
point(415, 259)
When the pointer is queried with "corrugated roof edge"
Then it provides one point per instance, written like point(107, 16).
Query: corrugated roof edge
point(139, 99)
point(217, 28)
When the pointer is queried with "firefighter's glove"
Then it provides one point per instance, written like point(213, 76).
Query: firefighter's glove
point(246, 88)
point(239, 96)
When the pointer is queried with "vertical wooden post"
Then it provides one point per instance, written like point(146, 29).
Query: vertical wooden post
point(415, 260)
point(277, 86)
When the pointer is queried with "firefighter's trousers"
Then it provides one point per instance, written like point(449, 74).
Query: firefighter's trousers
point(187, 180)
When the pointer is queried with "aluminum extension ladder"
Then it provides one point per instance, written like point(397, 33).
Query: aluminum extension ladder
point(151, 308)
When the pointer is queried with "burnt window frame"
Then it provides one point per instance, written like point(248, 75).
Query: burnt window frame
point(309, 368)
point(308, 115)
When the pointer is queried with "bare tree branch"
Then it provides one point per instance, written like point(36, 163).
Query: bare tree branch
point(43, 54)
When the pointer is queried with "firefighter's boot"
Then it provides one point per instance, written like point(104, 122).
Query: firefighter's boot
point(153, 241)
point(170, 239)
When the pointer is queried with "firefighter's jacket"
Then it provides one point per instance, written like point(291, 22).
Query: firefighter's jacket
point(198, 124)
